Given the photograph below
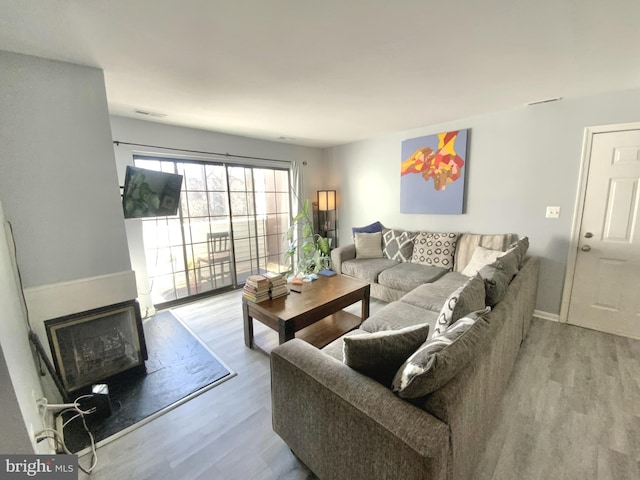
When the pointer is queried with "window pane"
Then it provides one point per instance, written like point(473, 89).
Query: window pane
point(239, 203)
point(194, 178)
point(282, 180)
point(198, 206)
point(175, 232)
point(218, 203)
point(237, 181)
point(269, 180)
point(216, 178)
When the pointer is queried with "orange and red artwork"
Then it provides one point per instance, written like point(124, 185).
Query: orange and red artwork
point(439, 158)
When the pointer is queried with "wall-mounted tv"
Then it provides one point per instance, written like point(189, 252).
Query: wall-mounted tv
point(148, 193)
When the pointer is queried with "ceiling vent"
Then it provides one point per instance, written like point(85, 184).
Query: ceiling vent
point(150, 114)
point(547, 100)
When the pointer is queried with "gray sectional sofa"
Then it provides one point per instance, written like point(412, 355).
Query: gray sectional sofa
point(383, 401)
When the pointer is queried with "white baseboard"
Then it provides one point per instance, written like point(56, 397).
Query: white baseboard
point(553, 317)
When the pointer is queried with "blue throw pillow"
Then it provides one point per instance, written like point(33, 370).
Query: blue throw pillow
point(373, 228)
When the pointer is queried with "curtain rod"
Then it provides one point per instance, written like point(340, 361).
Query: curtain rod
point(118, 143)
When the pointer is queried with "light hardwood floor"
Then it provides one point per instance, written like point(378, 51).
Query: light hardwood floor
point(571, 411)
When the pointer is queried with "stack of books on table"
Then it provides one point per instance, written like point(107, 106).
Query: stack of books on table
point(278, 285)
point(257, 288)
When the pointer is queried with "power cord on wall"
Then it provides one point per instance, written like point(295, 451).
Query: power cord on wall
point(19, 274)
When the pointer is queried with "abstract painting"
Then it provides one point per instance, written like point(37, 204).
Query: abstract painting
point(432, 173)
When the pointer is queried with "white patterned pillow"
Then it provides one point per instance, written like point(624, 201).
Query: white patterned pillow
point(440, 358)
point(435, 249)
point(470, 297)
point(398, 244)
point(481, 257)
point(368, 245)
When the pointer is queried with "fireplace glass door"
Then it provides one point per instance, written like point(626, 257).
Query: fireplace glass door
point(91, 346)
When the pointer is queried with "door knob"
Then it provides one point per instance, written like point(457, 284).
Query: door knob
point(588, 235)
point(585, 248)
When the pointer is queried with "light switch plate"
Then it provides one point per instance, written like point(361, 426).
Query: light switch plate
point(553, 212)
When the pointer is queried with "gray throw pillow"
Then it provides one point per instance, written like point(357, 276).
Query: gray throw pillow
point(368, 245)
point(496, 281)
point(435, 249)
point(510, 262)
point(380, 354)
point(398, 244)
point(441, 358)
point(470, 297)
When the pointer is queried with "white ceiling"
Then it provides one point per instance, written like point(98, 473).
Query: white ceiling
point(328, 72)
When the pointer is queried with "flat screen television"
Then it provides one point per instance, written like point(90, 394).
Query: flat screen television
point(148, 193)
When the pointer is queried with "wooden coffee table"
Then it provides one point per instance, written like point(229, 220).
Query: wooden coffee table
point(315, 314)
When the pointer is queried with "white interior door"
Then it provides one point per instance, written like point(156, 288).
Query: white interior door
point(606, 285)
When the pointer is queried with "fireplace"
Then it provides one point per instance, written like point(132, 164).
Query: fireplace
point(91, 346)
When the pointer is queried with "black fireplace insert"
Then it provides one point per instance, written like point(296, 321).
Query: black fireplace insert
point(91, 346)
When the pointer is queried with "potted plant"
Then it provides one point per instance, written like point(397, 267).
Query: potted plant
point(312, 249)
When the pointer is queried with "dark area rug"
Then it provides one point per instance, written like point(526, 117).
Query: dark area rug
point(179, 367)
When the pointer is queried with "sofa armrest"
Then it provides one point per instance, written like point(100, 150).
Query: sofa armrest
point(342, 254)
point(344, 425)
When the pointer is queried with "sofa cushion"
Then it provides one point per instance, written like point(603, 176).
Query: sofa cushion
point(510, 262)
point(433, 295)
point(368, 245)
point(469, 241)
point(398, 244)
point(407, 276)
point(496, 281)
point(435, 249)
point(367, 270)
point(521, 246)
point(481, 257)
point(468, 298)
point(397, 315)
point(379, 355)
point(441, 358)
point(372, 228)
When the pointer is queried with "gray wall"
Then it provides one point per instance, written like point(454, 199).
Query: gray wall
point(59, 190)
point(519, 162)
point(58, 183)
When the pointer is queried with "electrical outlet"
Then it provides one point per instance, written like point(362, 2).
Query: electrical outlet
point(553, 212)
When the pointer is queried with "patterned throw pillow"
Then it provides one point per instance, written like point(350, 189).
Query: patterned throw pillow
point(368, 245)
point(441, 358)
point(398, 244)
point(435, 249)
point(379, 355)
point(470, 297)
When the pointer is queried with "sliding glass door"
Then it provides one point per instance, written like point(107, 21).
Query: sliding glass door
point(231, 223)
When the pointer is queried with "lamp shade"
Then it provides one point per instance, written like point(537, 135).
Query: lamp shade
point(326, 200)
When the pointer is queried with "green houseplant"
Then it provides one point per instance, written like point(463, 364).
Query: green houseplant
point(312, 249)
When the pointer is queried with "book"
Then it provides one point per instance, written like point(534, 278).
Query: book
point(326, 273)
